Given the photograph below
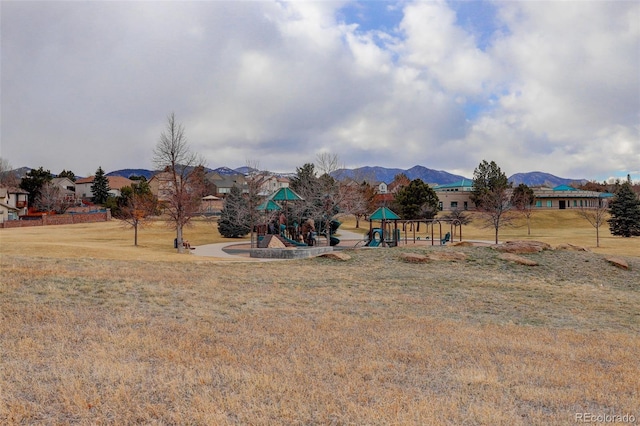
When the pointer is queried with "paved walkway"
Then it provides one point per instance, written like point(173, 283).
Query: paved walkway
point(239, 250)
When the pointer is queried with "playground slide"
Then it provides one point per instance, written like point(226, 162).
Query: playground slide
point(373, 243)
point(295, 243)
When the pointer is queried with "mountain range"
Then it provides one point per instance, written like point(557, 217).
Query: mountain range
point(379, 174)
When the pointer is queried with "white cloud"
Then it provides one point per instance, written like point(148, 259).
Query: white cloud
point(554, 87)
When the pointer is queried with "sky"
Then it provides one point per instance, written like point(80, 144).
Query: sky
point(551, 86)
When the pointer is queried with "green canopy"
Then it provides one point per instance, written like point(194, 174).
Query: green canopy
point(269, 206)
point(285, 194)
point(384, 213)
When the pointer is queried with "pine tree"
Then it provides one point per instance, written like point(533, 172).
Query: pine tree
point(100, 187)
point(625, 212)
point(234, 217)
point(417, 200)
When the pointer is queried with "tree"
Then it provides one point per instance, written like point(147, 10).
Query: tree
point(100, 187)
point(173, 155)
point(235, 220)
point(416, 200)
point(34, 180)
point(68, 174)
point(135, 206)
point(8, 178)
point(52, 198)
point(625, 212)
point(490, 195)
point(523, 199)
point(596, 216)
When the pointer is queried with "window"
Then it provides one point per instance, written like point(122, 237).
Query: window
point(538, 203)
point(575, 203)
point(549, 203)
point(454, 204)
point(466, 205)
point(440, 205)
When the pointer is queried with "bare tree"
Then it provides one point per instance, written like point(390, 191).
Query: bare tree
point(173, 156)
point(254, 179)
point(524, 199)
point(53, 198)
point(491, 195)
point(596, 216)
point(7, 177)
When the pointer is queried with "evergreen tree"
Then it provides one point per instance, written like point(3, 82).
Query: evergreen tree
point(523, 199)
point(100, 187)
point(234, 219)
point(34, 180)
point(625, 212)
point(417, 200)
point(68, 174)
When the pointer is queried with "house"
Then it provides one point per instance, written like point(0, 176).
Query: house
point(161, 185)
point(8, 209)
point(16, 198)
point(268, 184)
point(68, 189)
point(116, 183)
point(223, 183)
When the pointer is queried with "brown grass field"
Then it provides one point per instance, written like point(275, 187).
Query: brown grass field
point(96, 331)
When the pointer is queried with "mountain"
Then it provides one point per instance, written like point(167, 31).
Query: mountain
point(541, 178)
point(382, 174)
point(130, 172)
point(225, 171)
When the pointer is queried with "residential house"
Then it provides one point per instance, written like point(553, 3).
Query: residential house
point(9, 209)
point(268, 183)
point(161, 185)
point(116, 183)
point(16, 198)
point(223, 183)
point(68, 189)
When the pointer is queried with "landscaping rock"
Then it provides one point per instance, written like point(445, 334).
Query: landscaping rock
point(617, 261)
point(447, 256)
point(520, 247)
point(571, 247)
point(336, 255)
point(463, 244)
point(510, 257)
point(414, 258)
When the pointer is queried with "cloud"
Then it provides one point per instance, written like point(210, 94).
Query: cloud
point(550, 86)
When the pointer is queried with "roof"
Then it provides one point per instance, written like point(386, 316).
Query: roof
point(564, 188)
point(269, 206)
point(383, 213)
point(115, 182)
point(285, 194)
point(8, 207)
point(464, 183)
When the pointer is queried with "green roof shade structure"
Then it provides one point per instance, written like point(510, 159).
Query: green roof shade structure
point(384, 213)
point(269, 206)
point(285, 194)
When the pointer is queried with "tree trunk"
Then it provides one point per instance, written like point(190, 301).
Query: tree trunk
point(179, 238)
point(135, 234)
point(496, 235)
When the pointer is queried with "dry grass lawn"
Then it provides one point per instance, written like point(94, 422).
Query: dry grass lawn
point(96, 331)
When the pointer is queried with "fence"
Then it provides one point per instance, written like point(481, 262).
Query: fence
point(59, 219)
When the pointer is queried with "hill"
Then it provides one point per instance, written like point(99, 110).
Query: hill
point(541, 178)
point(383, 174)
point(132, 172)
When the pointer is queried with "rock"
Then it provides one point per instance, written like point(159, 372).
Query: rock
point(571, 247)
point(414, 258)
point(519, 247)
point(275, 242)
point(447, 256)
point(463, 244)
point(336, 255)
point(617, 261)
point(510, 257)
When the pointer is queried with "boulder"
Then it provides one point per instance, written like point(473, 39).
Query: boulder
point(510, 257)
point(571, 247)
point(414, 258)
point(519, 247)
point(336, 255)
point(617, 261)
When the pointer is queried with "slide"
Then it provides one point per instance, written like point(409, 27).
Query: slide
point(295, 243)
point(375, 239)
